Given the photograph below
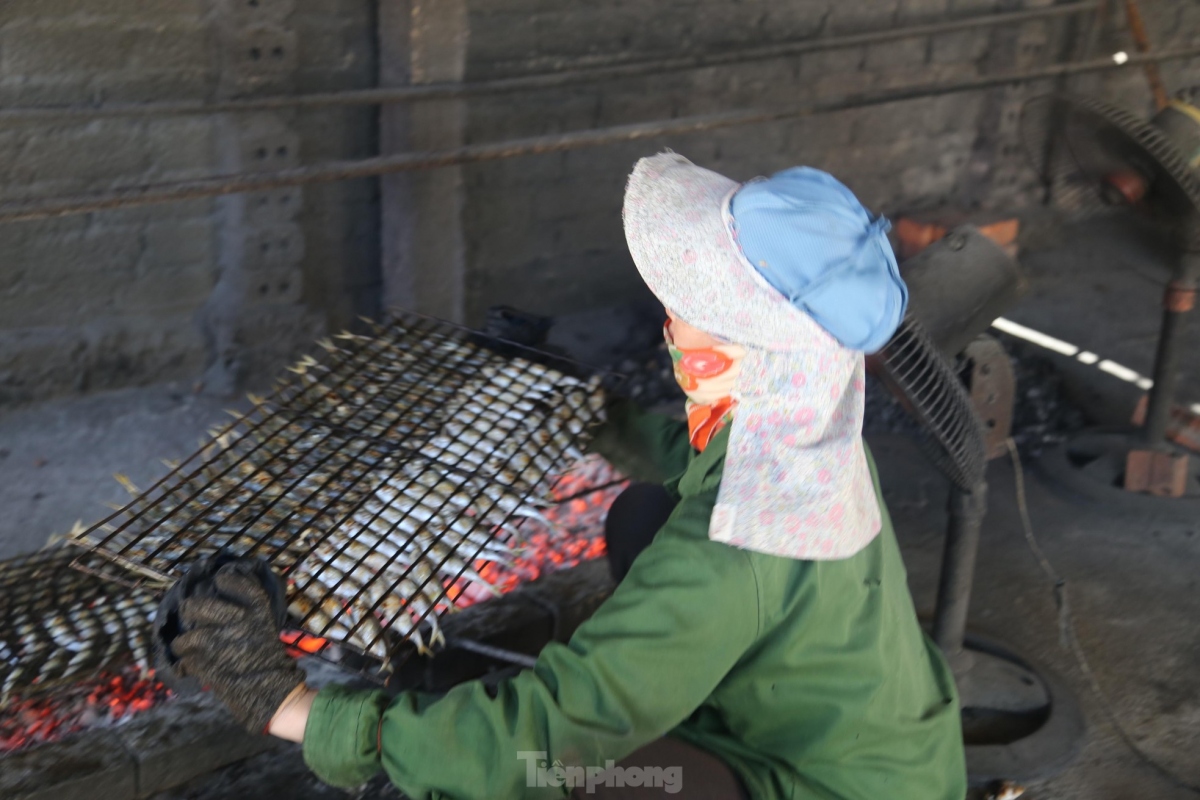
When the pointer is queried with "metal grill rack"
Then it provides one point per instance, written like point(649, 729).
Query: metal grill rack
point(374, 478)
point(59, 624)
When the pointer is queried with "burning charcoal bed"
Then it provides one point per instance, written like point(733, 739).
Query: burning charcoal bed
point(571, 531)
point(112, 688)
point(405, 473)
point(58, 624)
point(364, 471)
point(60, 630)
point(108, 698)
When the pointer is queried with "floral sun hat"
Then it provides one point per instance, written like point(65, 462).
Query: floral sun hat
point(796, 481)
point(847, 279)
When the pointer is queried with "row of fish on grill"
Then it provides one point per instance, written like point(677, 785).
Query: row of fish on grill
point(374, 481)
point(58, 624)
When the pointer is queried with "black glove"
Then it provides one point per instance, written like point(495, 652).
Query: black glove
point(231, 644)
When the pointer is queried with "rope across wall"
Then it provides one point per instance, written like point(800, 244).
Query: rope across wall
point(36, 208)
point(611, 70)
point(44, 208)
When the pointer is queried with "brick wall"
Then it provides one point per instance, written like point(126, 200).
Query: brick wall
point(1169, 25)
point(114, 298)
point(142, 295)
point(544, 232)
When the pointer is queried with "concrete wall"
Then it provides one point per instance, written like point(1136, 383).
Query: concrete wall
point(1170, 25)
point(99, 300)
point(114, 298)
point(340, 220)
point(222, 291)
point(544, 232)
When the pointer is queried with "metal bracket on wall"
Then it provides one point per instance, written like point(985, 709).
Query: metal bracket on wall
point(992, 385)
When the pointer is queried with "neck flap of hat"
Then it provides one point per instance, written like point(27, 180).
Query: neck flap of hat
point(796, 481)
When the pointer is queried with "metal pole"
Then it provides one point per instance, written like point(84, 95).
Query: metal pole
point(443, 91)
point(1178, 302)
point(1137, 28)
point(967, 510)
point(498, 653)
point(43, 208)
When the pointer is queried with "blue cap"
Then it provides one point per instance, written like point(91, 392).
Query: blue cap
point(811, 239)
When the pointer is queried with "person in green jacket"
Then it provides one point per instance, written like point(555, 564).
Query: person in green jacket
point(761, 641)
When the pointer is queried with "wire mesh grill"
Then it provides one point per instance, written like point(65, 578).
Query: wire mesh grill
point(950, 432)
point(59, 624)
point(374, 478)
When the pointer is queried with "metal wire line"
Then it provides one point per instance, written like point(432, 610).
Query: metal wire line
point(551, 80)
point(248, 429)
point(524, 495)
point(399, 552)
point(33, 586)
point(335, 478)
point(370, 350)
point(441, 591)
point(45, 208)
point(377, 345)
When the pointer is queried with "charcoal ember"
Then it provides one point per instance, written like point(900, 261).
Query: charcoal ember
point(572, 530)
point(1043, 414)
point(104, 700)
point(883, 413)
point(649, 376)
point(514, 325)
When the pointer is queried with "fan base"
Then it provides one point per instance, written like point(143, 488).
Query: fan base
point(1020, 722)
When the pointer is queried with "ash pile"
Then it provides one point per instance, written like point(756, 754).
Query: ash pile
point(1043, 414)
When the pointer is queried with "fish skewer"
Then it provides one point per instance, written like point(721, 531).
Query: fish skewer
point(387, 601)
point(88, 634)
point(365, 631)
point(320, 616)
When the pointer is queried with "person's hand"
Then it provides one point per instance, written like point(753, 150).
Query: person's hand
point(231, 644)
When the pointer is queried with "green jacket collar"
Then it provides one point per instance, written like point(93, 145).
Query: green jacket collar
point(704, 469)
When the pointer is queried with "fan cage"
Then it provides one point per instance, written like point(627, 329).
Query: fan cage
point(950, 433)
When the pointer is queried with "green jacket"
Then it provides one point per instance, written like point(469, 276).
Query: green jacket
point(811, 679)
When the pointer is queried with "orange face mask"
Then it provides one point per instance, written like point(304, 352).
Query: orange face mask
point(707, 376)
